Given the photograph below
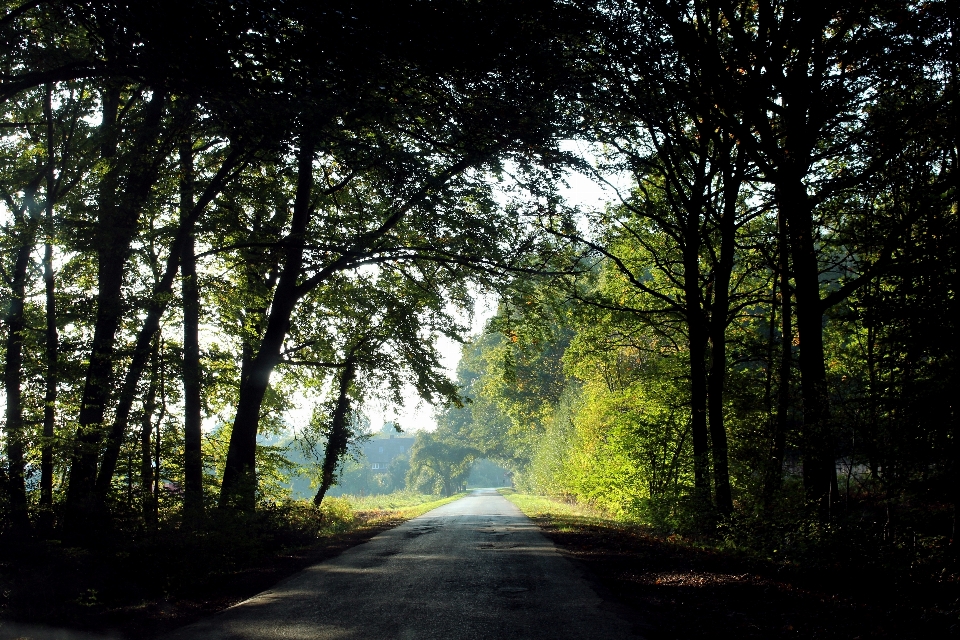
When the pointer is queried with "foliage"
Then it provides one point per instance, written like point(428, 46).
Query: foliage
point(485, 473)
point(439, 463)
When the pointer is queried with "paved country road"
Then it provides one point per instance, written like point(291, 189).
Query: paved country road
point(474, 568)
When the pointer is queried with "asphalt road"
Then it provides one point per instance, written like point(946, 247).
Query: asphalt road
point(474, 568)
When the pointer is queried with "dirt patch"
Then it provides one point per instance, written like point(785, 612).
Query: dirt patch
point(672, 590)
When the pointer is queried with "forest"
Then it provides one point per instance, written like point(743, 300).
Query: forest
point(215, 214)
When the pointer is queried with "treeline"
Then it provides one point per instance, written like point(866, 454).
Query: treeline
point(757, 332)
point(213, 209)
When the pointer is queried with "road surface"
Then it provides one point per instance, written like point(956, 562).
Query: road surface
point(474, 568)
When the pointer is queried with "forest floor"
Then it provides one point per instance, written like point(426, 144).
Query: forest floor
point(107, 592)
point(677, 588)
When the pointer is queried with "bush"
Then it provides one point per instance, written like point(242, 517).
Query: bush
point(336, 515)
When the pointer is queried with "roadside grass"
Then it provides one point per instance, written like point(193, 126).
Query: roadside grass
point(560, 514)
point(405, 504)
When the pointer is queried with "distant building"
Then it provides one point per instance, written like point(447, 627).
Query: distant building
point(379, 453)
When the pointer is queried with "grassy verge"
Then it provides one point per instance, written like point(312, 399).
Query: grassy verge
point(673, 588)
point(554, 512)
point(144, 585)
point(402, 504)
point(378, 513)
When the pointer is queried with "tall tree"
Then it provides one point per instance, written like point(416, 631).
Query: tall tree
point(792, 81)
point(192, 390)
point(123, 191)
point(33, 184)
point(676, 241)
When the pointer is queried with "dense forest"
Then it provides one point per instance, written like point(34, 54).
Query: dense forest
point(215, 212)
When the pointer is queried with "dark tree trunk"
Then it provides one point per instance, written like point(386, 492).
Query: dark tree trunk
point(819, 470)
point(86, 448)
point(238, 489)
point(51, 338)
point(339, 436)
point(774, 479)
point(151, 325)
point(955, 476)
point(161, 414)
point(13, 364)
point(954, 430)
point(800, 126)
point(719, 312)
point(147, 493)
point(116, 228)
point(698, 337)
point(698, 414)
point(718, 433)
point(192, 456)
point(239, 486)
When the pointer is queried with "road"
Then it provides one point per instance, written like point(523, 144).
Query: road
point(474, 568)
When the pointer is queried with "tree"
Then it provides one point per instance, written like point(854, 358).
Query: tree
point(36, 171)
point(793, 82)
point(675, 241)
point(409, 164)
point(439, 461)
point(386, 324)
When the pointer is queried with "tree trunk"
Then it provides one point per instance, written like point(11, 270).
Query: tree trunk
point(819, 470)
point(116, 228)
point(801, 126)
point(161, 414)
point(51, 338)
point(192, 456)
point(698, 336)
point(83, 460)
point(339, 436)
point(239, 486)
point(719, 312)
point(13, 364)
point(238, 489)
point(954, 430)
point(147, 494)
point(151, 325)
point(774, 480)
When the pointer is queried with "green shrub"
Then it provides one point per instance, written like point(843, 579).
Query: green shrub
point(336, 515)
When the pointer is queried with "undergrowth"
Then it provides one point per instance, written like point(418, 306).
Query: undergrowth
point(222, 558)
point(794, 544)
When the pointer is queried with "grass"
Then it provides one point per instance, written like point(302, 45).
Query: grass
point(556, 512)
point(406, 504)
